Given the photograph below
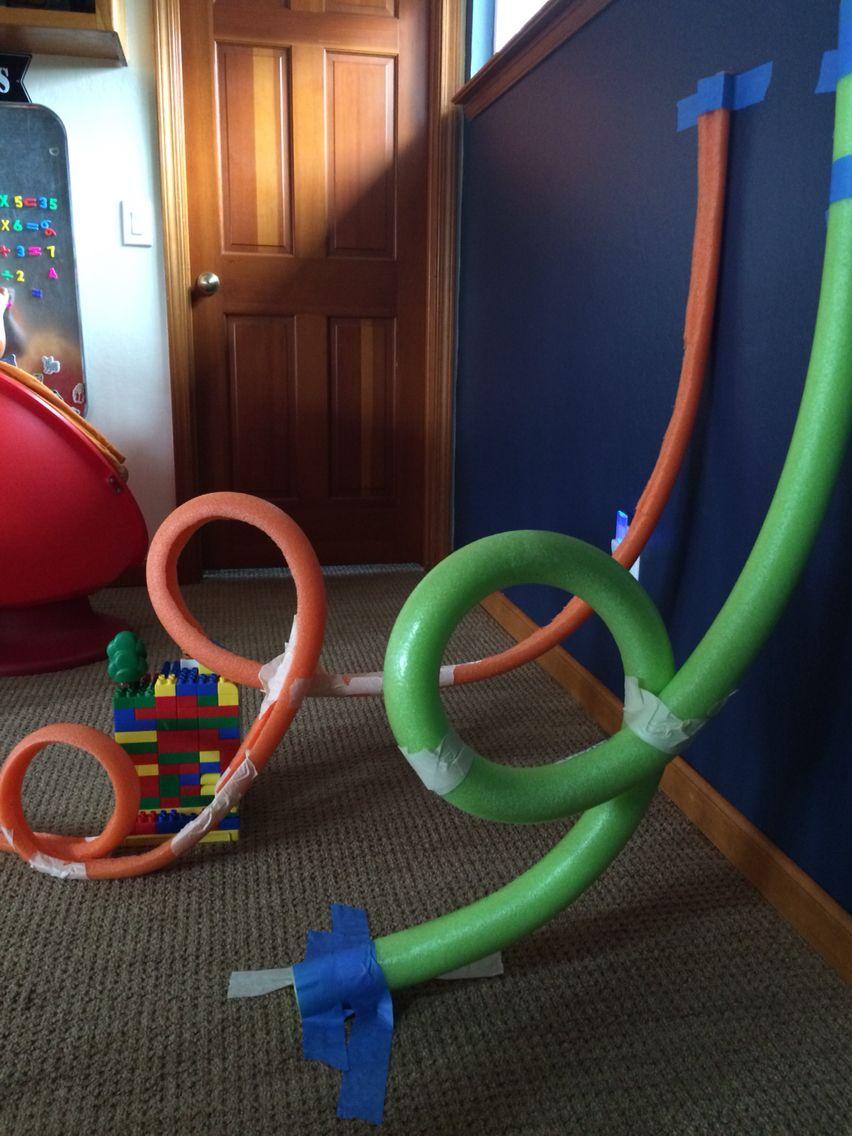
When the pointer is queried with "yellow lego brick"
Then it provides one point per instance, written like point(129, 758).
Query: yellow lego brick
point(216, 837)
point(164, 687)
point(148, 770)
point(136, 736)
point(208, 754)
point(209, 778)
point(228, 693)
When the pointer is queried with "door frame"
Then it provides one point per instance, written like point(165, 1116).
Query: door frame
point(446, 76)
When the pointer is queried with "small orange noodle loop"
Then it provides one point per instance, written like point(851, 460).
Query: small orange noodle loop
point(79, 857)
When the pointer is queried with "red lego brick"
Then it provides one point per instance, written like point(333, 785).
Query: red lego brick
point(164, 707)
point(218, 711)
point(227, 747)
point(189, 790)
point(208, 739)
point(146, 823)
point(177, 741)
point(189, 767)
point(169, 802)
point(149, 786)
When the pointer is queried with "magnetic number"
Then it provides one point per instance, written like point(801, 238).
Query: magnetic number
point(19, 276)
point(51, 250)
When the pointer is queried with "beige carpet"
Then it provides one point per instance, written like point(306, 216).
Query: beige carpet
point(669, 1000)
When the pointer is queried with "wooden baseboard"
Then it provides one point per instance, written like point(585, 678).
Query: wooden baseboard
point(806, 907)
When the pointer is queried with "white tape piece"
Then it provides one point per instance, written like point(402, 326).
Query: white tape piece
point(651, 720)
point(327, 685)
point(8, 835)
point(442, 769)
point(273, 674)
point(59, 869)
point(253, 983)
point(223, 801)
point(489, 967)
point(447, 675)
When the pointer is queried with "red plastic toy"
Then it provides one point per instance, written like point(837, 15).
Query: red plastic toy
point(70, 525)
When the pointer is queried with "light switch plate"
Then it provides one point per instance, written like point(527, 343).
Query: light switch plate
point(137, 222)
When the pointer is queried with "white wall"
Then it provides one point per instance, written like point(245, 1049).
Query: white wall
point(110, 114)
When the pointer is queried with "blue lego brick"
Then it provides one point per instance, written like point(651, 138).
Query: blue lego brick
point(226, 732)
point(189, 779)
point(187, 682)
point(124, 718)
point(229, 822)
point(210, 767)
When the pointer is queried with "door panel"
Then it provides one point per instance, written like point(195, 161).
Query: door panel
point(362, 158)
point(307, 177)
point(254, 129)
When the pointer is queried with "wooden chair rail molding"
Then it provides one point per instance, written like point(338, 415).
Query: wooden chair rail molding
point(803, 903)
point(551, 26)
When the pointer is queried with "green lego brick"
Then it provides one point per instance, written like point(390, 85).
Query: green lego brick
point(169, 785)
point(176, 723)
point(177, 758)
point(217, 723)
point(149, 803)
point(139, 747)
point(194, 802)
point(208, 700)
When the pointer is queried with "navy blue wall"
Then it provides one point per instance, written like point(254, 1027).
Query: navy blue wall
point(577, 218)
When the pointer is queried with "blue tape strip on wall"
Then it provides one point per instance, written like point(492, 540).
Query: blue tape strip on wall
point(733, 92)
point(339, 978)
point(838, 63)
point(841, 180)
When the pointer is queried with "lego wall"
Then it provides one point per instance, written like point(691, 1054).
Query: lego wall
point(577, 218)
point(110, 116)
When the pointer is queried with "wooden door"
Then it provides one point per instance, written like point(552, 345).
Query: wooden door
point(306, 133)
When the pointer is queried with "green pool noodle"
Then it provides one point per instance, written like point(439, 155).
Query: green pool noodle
point(630, 769)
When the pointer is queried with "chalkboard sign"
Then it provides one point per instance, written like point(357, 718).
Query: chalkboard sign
point(40, 310)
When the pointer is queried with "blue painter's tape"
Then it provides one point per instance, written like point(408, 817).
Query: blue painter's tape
point(340, 978)
point(838, 63)
point(841, 180)
point(733, 92)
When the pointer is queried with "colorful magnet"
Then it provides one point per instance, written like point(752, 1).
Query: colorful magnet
point(37, 294)
point(52, 274)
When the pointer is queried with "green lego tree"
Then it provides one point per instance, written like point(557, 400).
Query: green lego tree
point(127, 657)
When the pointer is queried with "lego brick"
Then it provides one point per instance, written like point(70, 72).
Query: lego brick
point(229, 822)
point(205, 723)
point(150, 802)
point(165, 708)
point(187, 681)
point(170, 723)
point(139, 747)
point(189, 778)
point(209, 778)
point(210, 701)
point(186, 767)
point(135, 736)
point(214, 710)
point(178, 741)
point(226, 732)
point(178, 758)
point(151, 839)
point(169, 802)
point(127, 718)
point(195, 800)
point(228, 693)
point(211, 767)
point(149, 785)
point(207, 740)
point(146, 770)
point(208, 754)
point(165, 686)
point(169, 783)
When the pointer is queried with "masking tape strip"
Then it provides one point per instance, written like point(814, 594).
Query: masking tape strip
point(273, 673)
point(254, 983)
point(224, 800)
point(841, 179)
point(651, 720)
point(733, 92)
point(838, 63)
point(444, 768)
point(59, 869)
point(340, 978)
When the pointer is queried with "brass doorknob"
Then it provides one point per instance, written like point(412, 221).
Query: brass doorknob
point(207, 283)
